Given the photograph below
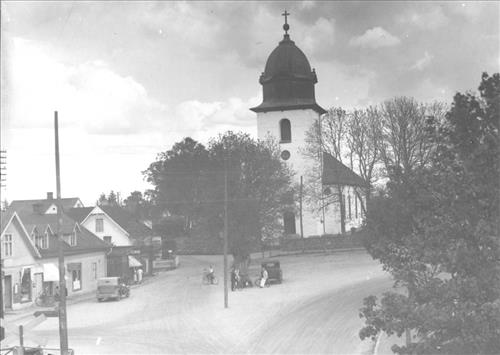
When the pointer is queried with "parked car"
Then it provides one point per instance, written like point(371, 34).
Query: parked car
point(111, 287)
point(275, 274)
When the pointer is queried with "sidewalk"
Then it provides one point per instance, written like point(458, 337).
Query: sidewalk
point(19, 315)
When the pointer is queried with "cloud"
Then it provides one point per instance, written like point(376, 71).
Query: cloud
point(204, 120)
point(306, 4)
point(423, 62)
point(320, 37)
point(375, 38)
point(431, 19)
point(470, 10)
point(89, 95)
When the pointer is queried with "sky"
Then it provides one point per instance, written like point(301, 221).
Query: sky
point(130, 79)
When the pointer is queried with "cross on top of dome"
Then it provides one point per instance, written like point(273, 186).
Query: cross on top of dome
point(286, 26)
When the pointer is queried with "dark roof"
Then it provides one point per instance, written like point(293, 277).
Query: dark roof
point(79, 214)
point(288, 81)
point(87, 242)
point(27, 205)
point(128, 222)
point(6, 217)
point(336, 173)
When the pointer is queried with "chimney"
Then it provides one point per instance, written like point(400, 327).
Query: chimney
point(50, 196)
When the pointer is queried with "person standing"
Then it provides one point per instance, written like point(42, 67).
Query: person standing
point(139, 275)
point(264, 276)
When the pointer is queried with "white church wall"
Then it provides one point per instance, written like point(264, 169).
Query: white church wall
point(268, 124)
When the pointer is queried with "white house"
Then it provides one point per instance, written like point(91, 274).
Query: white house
point(22, 274)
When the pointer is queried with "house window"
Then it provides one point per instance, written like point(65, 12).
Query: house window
point(356, 207)
point(7, 245)
point(285, 131)
point(107, 239)
point(94, 271)
point(72, 239)
point(42, 241)
point(99, 225)
point(349, 204)
point(289, 223)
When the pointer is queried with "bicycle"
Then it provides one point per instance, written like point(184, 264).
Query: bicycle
point(208, 279)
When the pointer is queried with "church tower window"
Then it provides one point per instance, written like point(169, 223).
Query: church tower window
point(289, 222)
point(285, 131)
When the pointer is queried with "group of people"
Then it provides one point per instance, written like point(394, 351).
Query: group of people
point(138, 275)
point(237, 281)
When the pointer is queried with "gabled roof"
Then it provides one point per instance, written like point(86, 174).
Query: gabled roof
point(27, 205)
point(8, 217)
point(128, 222)
point(87, 242)
point(79, 214)
point(336, 173)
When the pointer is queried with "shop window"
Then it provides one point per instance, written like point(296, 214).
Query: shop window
point(285, 131)
point(7, 245)
point(76, 276)
point(99, 225)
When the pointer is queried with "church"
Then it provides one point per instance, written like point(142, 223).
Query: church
point(287, 112)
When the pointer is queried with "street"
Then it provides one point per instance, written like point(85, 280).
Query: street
point(314, 311)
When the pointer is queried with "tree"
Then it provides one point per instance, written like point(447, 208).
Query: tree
point(189, 181)
point(111, 200)
point(258, 183)
point(437, 231)
point(178, 177)
point(353, 138)
point(138, 204)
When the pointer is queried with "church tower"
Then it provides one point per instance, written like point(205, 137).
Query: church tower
point(287, 112)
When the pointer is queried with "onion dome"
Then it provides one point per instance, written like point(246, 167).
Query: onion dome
point(288, 81)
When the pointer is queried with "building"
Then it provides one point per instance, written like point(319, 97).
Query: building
point(84, 252)
point(287, 112)
point(45, 206)
point(22, 275)
point(131, 240)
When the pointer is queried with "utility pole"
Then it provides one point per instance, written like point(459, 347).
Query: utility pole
point(63, 326)
point(225, 234)
point(301, 224)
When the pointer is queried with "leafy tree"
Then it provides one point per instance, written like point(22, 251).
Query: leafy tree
point(178, 177)
point(258, 182)
point(138, 204)
point(111, 200)
point(189, 181)
point(437, 231)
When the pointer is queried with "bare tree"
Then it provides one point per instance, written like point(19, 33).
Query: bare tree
point(364, 139)
point(405, 144)
point(326, 135)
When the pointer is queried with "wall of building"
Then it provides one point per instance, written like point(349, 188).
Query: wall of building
point(88, 277)
point(16, 265)
point(268, 124)
point(118, 236)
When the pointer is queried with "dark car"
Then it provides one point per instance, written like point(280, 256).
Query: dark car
point(273, 271)
point(111, 287)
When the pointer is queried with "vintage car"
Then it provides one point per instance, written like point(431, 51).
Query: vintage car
point(273, 270)
point(111, 287)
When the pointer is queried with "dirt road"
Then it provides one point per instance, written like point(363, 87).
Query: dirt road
point(314, 311)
